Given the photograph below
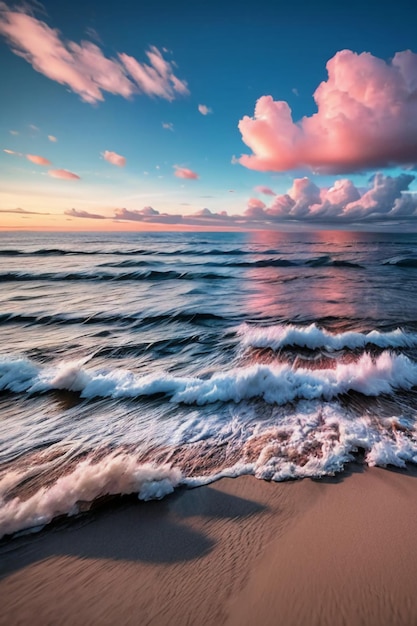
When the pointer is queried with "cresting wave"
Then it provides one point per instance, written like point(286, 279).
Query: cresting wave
point(155, 275)
point(274, 384)
point(315, 338)
point(113, 475)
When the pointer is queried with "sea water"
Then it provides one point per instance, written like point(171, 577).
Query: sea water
point(139, 362)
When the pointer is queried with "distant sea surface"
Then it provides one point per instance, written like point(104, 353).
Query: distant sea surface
point(139, 362)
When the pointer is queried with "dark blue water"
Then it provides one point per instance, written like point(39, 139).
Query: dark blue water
point(138, 362)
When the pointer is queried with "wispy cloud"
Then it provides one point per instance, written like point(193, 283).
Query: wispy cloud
point(184, 172)
point(14, 132)
point(83, 67)
point(65, 174)
point(84, 214)
point(52, 138)
point(366, 118)
point(22, 212)
point(114, 158)
point(204, 110)
point(168, 125)
point(7, 151)
point(265, 190)
point(39, 160)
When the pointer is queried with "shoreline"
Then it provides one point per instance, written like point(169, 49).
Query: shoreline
point(239, 551)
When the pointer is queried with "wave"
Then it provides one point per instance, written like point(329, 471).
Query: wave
point(410, 262)
point(113, 475)
point(274, 384)
point(152, 275)
point(315, 338)
point(135, 252)
point(199, 318)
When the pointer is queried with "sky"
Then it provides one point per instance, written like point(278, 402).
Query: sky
point(136, 115)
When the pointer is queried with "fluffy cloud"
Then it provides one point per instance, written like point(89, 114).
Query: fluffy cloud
point(39, 160)
point(83, 67)
point(366, 117)
point(204, 110)
point(385, 199)
point(183, 172)
point(114, 158)
point(65, 174)
point(85, 214)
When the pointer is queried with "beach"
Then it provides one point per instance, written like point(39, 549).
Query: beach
point(240, 551)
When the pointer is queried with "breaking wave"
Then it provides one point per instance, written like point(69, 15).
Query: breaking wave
point(114, 475)
point(315, 338)
point(275, 384)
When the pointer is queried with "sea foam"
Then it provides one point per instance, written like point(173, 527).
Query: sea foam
point(113, 475)
point(275, 384)
point(314, 338)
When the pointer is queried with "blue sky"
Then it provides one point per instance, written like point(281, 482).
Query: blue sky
point(229, 53)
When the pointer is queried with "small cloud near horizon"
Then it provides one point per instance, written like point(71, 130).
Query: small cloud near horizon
point(64, 174)
point(39, 160)
point(84, 214)
point(184, 172)
point(366, 118)
point(114, 158)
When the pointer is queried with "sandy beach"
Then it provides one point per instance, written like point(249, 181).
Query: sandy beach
point(333, 551)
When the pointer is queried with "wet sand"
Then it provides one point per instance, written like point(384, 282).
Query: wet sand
point(239, 552)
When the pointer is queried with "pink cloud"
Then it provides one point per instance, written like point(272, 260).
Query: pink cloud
point(39, 160)
point(52, 138)
point(114, 158)
point(366, 117)
point(83, 67)
point(65, 174)
point(204, 110)
point(265, 190)
point(255, 203)
point(386, 198)
point(84, 214)
point(183, 172)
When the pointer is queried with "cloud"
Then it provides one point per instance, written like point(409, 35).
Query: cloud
point(147, 214)
point(7, 151)
point(254, 203)
point(386, 198)
point(65, 174)
point(12, 132)
point(265, 190)
point(52, 138)
point(39, 160)
point(86, 214)
point(114, 158)
point(83, 67)
point(168, 126)
point(183, 172)
point(204, 110)
point(22, 212)
point(366, 118)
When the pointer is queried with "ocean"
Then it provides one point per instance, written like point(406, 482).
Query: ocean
point(136, 363)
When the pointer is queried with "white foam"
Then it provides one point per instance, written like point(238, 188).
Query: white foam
point(116, 474)
point(314, 338)
point(275, 384)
